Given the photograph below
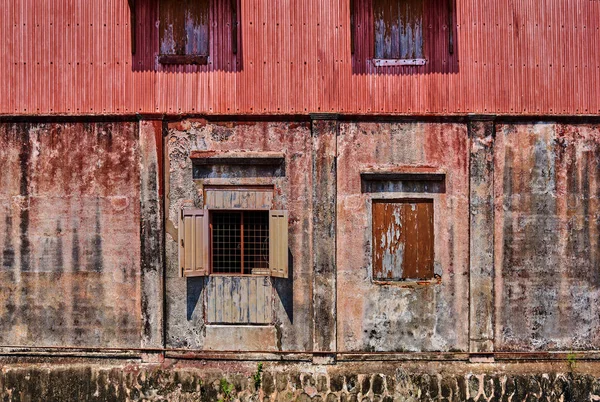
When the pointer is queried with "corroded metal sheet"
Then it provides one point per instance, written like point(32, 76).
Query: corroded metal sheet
point(294, 57)
point(403, 239)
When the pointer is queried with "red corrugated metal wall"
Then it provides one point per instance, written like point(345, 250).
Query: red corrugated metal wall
point(511, 57)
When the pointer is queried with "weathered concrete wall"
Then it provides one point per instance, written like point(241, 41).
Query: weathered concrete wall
point(292, 327)
point(69, 234)
point(324, 170)
point(390, 317)
point(347, 382)
point(81, 224)
point(547, 246)
point(481, 259)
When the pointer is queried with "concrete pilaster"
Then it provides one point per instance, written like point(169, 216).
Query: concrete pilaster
point(151, 231)
point(481, 283)
point(324, 133)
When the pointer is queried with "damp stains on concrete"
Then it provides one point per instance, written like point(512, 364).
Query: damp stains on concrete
point(547, 293)
point(432, 316)
point(70, 259)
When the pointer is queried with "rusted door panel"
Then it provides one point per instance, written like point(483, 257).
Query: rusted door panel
point(184, 27)
point(398, 29)
point(403, 239)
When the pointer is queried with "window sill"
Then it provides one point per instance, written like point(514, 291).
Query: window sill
point(259, 275)
point(182, 59)
point(399, 62)
point(409, 283)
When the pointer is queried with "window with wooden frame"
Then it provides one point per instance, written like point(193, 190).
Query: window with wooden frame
point(185, 28)
point(397, 32)
point(398, 28)
point(236, 234)
point(403, 239)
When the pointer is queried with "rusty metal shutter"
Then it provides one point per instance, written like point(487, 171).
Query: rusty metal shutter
point(398, 29)
point(403, 239)
point(193, 242)
point(184, 31)
point(278, 243)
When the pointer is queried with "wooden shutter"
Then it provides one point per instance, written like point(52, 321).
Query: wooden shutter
point(403, 239)
point(278, 243)
point(193, 242)
point(184, 31)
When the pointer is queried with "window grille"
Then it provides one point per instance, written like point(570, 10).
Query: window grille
point(233, 242)
point(240, 242)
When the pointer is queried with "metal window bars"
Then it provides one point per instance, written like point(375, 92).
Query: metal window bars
point(240, 242)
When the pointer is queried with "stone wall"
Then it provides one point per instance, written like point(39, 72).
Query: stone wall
point(346, 382)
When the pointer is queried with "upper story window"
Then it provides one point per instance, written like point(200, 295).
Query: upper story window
point(185, 28)
point(398, 33)
point(398, 26)
point(184, 31)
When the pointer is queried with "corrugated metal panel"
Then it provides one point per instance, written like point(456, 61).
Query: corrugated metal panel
point(511, 57)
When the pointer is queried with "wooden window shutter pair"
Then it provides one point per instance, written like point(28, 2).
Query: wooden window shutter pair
point(194, 243)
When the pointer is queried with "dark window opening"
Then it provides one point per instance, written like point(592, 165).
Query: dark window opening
point(398, 29)
point(184, 31)
point(240, 242)
point(403, 240)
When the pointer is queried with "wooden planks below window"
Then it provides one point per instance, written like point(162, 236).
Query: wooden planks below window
point(184, 31)
point(399, 30)
point(403, 239)
point(239, 300)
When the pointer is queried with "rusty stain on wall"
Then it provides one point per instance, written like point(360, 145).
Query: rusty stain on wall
point(547, 236)
point(69, 197)
point(385, 317)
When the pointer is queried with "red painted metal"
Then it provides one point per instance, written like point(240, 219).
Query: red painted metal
point(510, 57)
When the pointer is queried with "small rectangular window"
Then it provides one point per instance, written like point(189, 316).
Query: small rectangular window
point(398, 29)
point(184, 31)
point(398, 32)
point(403, 239)
point(240, 242)
point(233, 242)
